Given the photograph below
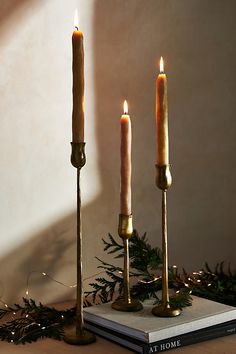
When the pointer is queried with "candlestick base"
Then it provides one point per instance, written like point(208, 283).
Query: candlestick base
point(83, 338)
point(122, 305)
point(165, 311)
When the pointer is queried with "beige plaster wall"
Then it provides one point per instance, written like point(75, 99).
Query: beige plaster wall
point(123, 42)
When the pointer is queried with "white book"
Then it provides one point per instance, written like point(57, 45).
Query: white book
point(142, 325)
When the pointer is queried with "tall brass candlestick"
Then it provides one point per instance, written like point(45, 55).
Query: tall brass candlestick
point(163, 181)
point(126, 303)
point(78, 335)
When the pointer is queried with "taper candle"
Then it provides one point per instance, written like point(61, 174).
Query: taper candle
point(125, 168)
point(162, 117)
point(78, 84)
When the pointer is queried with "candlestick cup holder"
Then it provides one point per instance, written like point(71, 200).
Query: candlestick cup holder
point(163, 182)
point(125, 302)
point(78, 335)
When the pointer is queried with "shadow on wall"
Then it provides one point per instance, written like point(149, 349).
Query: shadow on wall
point(52, 251)
point(14, 11)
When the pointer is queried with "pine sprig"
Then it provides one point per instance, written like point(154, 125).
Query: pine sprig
point(145, 262)
point(112, 246)
point(143, 257)
point(218, 284)
point(104, 288)
point(33, 321)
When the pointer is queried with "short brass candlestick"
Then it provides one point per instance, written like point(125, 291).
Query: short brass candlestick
point(78, 335)
point(126, 303)
point(163, 181)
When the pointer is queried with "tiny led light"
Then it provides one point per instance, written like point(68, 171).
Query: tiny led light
point(125, 107)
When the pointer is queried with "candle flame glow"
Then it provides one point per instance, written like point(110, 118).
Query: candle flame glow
point(125, 107)
point(161, 65)
point(76, 19)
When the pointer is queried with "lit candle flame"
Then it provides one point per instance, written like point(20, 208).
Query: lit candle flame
point(125, 107)
point(76, 19)
point(161, 65)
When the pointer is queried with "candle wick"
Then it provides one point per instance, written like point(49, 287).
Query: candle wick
point(77, 28)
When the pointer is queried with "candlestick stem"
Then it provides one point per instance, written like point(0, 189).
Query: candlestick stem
point(126, 271)
point(165, 293)
point(163, 181)
point(78, 335)
point(126, 303)
point(79, 289)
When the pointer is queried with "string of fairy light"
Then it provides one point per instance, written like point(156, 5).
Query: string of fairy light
point(193, 279)
point(27, 293)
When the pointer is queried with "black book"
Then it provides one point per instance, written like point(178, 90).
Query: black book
point(220, 330)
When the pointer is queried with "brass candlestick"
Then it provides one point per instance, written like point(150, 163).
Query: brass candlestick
point(163, 181)
point(126, 303)
point(78, 335)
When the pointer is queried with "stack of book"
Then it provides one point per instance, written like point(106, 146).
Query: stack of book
point(147, 334)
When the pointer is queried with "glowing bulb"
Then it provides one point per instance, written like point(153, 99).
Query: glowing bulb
point(76, 19)
point(44, 274)
point(125, 107)
point(13, 333)
point(27, 292)
point(161, 65)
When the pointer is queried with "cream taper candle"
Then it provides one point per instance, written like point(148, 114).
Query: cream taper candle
point(125, 168)
point(78, 84)
point(162, 117)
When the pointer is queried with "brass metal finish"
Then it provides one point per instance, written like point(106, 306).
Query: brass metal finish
point(85, 337)
point(163, 182)
point(165, 311)
point(122, 305)
point(125, 227)
point(79, 335)
point(78, 157)
point(125, 231)
point(163, 178)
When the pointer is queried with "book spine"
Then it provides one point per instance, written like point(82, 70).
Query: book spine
point(189, 338)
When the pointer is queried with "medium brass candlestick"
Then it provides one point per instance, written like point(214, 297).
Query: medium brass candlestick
point(78, 335)
point(163, 181)
point(126, 303)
